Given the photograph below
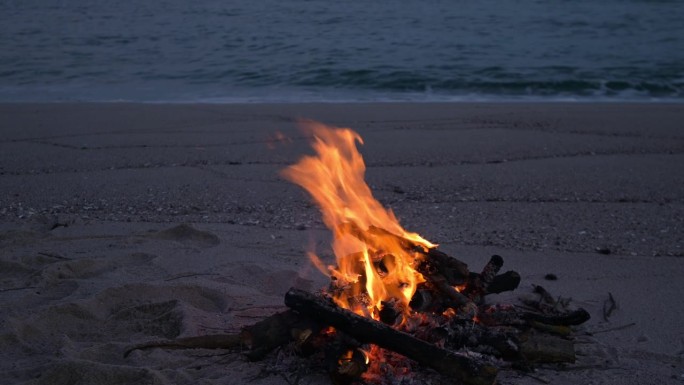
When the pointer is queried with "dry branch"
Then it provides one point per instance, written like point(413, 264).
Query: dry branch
point(217, 341)
point(257, 339)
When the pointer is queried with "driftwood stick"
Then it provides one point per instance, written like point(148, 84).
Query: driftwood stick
point(366, 330)
point(257, 339)
point(217, 341)
point(576, 317)
point(548, 349)
point(272, 332)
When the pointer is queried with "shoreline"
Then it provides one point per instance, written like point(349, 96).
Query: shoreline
point(324, 102)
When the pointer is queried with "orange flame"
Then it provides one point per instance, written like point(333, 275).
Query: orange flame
point(368, 241)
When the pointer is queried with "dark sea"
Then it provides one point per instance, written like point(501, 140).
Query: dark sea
point(322, 50)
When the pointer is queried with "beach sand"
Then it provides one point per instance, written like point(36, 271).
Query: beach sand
point(123, 223)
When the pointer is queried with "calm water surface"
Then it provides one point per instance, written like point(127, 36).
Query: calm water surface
point(302, 50)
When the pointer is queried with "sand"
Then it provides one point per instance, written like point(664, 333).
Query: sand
point(122, 223)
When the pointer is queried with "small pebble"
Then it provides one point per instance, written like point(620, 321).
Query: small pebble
point(551, 277)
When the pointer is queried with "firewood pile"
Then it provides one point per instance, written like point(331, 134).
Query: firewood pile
point(396, 304)
point(449, 328)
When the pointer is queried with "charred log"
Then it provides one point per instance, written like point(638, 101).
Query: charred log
point(435, 262)
point(346, 364)
point(507, 281)
point(576, 317)
point(390, 313)
point(274, 331)
point(367, 330)
point(478, 283)
point(422, 300)
point(452, 297)
point(432, 261)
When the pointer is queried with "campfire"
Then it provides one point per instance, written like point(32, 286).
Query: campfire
point(396, 304)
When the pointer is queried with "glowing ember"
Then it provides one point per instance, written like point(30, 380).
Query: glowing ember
point(373, 264)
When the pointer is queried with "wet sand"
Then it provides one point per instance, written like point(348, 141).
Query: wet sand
point(94, 256)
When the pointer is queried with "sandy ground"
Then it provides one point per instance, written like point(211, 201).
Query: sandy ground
point(94, 256)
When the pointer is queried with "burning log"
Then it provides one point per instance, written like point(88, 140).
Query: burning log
point(346, 367)
point(452, 297)
point(368, 330)
point(500, 330)
point(422, 300)
point(453, 270)
point(433, 261)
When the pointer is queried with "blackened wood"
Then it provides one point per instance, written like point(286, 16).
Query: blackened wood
point(575, 317)
point(491, 269)
point(367, 330)
point(432, 260)
point(478, 283)
point(272, 332)
point(422, 299)
point(452, 297)
point(437, 262)
point(389, 313)
point(346, 366)
point(500, 341)
point(504, 282)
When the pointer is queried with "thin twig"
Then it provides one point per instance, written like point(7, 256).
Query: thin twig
point(609, 306)
point(256, 307)
point(629, 325)
point(587, 367)
point(54, 255)
point(188, 275)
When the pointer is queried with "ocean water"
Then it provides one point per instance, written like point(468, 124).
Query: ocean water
point(324, 50)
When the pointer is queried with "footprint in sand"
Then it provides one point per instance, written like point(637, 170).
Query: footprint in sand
point(48, 276)
point(161, 319)
point(268, 281)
